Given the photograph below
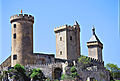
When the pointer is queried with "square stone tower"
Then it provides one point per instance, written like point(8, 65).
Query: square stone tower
point(68, 42)
point(95, 47)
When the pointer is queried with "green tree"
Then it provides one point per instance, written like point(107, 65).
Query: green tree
point(18, 73)
point(112, 67)
point(114, 70)
point(37, 74)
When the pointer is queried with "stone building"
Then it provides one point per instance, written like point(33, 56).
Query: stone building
point(68, 42)
point(67, 50)
point(95, 47)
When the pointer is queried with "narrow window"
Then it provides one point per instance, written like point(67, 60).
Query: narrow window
point(60, 38)
point(14, 36)
point(14, 25)
point(14, 57)
point(49, 59)
point(70, 37)
point(60, 52)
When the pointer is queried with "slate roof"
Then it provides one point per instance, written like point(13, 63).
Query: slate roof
point(94, 37)
point(76, 23)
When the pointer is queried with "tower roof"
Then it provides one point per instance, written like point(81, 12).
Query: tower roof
point(76, 23)
point(94, 37)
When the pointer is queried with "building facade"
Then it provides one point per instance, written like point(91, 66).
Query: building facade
point(67, 51)
point(68, 42)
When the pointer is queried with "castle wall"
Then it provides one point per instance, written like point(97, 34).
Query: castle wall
point(94, 72)
point(6, 63)
point(47, 69)
point(100, 75)
point(43, 58)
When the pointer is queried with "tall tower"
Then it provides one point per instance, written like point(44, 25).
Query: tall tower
point(22, 38)
point(95, 47)
point(68, 42)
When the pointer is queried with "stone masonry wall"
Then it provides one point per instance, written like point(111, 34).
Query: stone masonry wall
point(22, 38)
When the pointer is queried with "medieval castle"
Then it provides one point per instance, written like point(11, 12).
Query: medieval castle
point(67, 50)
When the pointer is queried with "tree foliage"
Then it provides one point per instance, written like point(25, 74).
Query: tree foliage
point(84, 62)
point(114, 70)
point(66, 77)
point(18, 73)
point(19, 68)
point(73, 69)
point(112, 67)
point(74, 73)
point(37, 74)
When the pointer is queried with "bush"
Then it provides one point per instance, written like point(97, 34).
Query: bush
point(73, 69)
point(74, 73)
point(37, 74)
point(66, 77)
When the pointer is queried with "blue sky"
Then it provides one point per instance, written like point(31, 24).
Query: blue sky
point(103, 14)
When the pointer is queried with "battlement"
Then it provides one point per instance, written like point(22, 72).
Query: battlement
point(64, 27)
point(25, 17)
point(93, 60)
point(56, 64)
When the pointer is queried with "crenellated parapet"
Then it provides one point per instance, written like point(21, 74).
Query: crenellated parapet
point(47, 65)
point(97, 61)
point(25, 17)
point(63, 27)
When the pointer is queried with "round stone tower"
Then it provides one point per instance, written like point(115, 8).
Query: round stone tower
point(22, 38)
